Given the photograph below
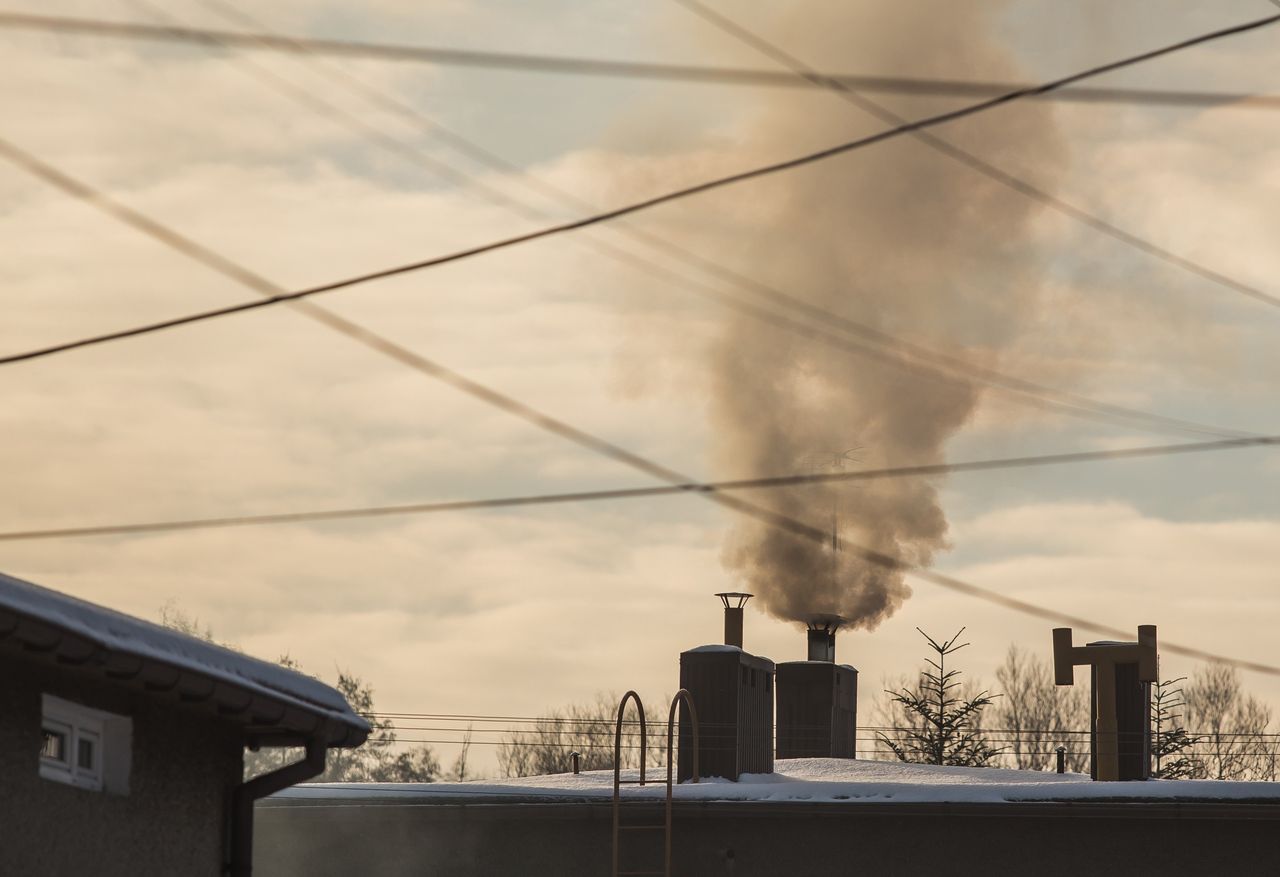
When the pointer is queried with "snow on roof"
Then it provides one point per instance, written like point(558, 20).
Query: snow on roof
point(823, 664)
point(816, 780)
point(127, 635)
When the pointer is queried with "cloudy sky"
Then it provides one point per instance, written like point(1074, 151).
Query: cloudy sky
point(511, 612)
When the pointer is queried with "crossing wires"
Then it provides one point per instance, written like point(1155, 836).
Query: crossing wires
point(847, 91)
point(606, 67)
point(595, 444)
point(18, 156)
point(272, 294)
point(780, 311)
point(562, 429)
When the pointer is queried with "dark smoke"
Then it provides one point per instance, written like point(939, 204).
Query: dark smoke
point(898, 237)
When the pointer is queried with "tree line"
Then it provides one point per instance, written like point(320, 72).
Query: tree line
point(1204, 727)
point(1207, 727)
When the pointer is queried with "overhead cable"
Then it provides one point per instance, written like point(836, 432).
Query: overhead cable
point(823, 325)
point(542, 499)
point(980, 165)
point(603, 447)
point(565, 430)
point(608, 67)
point(18, 156)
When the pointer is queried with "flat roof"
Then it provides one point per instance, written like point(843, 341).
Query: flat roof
point(817, 781)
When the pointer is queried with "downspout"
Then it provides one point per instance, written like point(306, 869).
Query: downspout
point(245, 794)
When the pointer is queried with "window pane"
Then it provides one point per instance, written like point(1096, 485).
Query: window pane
point(55, 745)
point(85, 753)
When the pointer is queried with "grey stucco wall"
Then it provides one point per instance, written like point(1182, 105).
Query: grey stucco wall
point(173, 820)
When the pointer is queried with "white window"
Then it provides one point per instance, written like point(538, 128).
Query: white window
point(85, 747)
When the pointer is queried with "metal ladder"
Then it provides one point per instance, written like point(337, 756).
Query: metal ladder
point(665, 826)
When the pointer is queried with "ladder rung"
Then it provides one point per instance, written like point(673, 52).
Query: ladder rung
point(642, 827)
point(641, 872)
point(639, 783)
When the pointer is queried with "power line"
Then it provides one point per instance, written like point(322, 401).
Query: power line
point(28, 161)
point(650, 70)
point(526, 735)
point(608, 449)
point(854, 337)
point(561, 428)
point(975, 163)
point(389, 142)
point(773, 482)
point(381, 344)
point(529, 725)
point(935, 364)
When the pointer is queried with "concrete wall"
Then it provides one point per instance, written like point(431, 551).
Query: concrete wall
point(769, 840)
point(173, 820)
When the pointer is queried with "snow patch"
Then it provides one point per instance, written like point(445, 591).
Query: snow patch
point(820, 781)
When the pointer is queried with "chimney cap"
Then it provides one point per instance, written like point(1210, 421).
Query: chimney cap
point(734, 599)
point(826, 623)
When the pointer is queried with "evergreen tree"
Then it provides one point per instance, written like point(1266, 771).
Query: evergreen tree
point(1169, 740)
point(945, 726)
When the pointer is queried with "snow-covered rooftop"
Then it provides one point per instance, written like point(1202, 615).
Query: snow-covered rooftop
point(50, 613)
point(816, 780)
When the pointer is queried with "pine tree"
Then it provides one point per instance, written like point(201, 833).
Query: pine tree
point(946, 726)
point(1170, 741)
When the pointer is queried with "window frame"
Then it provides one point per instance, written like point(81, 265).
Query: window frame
point(77, 724)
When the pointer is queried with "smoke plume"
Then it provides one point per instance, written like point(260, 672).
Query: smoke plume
point(898, 237)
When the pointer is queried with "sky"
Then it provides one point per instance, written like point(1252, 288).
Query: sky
point(512, 612)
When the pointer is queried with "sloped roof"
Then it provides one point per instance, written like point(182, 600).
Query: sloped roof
point(276, 706)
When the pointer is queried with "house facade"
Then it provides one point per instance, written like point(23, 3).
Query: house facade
point(122, 743)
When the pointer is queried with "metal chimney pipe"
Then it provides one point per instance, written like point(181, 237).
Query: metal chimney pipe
point(822, 646)
point(733, 626)
point(733, 602)
point(822, 638)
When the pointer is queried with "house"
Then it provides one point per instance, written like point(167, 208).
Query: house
point(122, 742)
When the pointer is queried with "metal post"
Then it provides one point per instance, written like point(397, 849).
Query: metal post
point(1062, 759)
point(575, 756)
point(1107, 734)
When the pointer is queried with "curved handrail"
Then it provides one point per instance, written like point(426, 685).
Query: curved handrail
point(617, 763)
point(617, 737)
point(687, 698)
point(682, 696)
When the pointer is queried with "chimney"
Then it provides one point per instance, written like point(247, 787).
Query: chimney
point(822, 637)
point(732, 692)
point(817, 700)
point(733, 602)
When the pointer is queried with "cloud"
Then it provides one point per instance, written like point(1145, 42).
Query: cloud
point(1198, 580)
point(518, 612)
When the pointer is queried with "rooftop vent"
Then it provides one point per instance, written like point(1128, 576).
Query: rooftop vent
point(822, 637)
point(733, 602)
